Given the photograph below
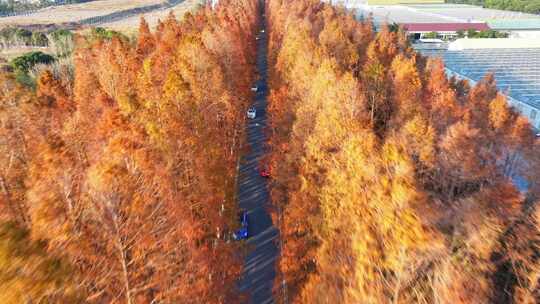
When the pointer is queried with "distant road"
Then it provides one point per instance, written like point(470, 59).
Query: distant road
point(259, 266)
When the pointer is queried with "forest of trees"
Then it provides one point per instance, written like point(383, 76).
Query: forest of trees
point(58, 60)
point(391, 182)
point(117, 186)
point(527, 6)
point(395, 182)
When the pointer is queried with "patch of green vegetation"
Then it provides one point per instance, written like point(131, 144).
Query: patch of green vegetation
point(22, 65)
point(482, 34)
point(14, 36)
point(39, 39)
point(61, 33)
point(25, 79)
point(431, 35)
point(62, 42)
point(106, 34)
point(25, 62)
point(471, 33)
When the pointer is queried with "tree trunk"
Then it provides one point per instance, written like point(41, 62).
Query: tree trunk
point(123, 260)
point(18, 213)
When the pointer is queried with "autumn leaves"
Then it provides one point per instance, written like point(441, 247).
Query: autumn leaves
point(123, 172)
point(396, 183)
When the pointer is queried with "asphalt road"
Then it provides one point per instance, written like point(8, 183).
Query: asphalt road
point(262, 252)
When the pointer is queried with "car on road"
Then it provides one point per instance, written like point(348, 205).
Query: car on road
point(264, 172)
point(243, 232)
point(262, 31)
point(251, 113)
point(255, 89)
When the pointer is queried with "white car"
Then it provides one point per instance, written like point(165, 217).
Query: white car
point(255, 89)
point(262, 31)
point(252, 113)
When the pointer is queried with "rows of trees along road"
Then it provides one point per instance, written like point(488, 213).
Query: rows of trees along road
point(111, 189)
point(394, 181)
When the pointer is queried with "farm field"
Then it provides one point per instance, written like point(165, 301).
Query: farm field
point(130, 24)
point(76, 12)
point(118, 15)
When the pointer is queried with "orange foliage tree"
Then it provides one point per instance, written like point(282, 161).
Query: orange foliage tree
point(395, 182)
point(126, 174)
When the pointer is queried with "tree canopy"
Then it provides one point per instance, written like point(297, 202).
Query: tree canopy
point(395, 182)
point(122, 175)
point(392, 182)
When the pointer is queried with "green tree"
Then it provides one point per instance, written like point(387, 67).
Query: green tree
point(431, 35)
point(25, 62)
point(22, 65)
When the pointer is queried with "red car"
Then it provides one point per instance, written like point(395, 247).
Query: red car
point(264, 172)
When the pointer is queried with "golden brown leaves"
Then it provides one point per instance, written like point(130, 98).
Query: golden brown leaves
point(395, 182)
point(126, 173)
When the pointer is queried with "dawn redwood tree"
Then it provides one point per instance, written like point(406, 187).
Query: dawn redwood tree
point(125, 175)
point(395, 182)
point(521, 255)
point(145, 40)
point(28, 273)
point(439, 96)
point(14, 149)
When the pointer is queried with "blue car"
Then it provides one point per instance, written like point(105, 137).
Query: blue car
point(242, 232)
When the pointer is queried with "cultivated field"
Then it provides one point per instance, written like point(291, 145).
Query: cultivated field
point(130, 24)
point(75, 12)
point(119, 15)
